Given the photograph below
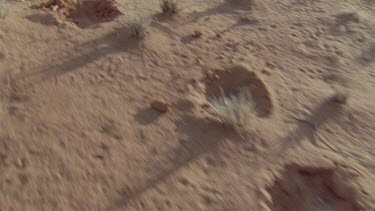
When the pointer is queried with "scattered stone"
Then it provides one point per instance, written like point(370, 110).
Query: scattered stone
point(21, 163)
point(160, 105)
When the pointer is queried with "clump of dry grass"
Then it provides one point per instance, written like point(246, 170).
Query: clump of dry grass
point(3, 10)
point(169, 6)
point(234, 110)
point(340, 97)
point(197, 34)
point(3, 52)
point(138, 25)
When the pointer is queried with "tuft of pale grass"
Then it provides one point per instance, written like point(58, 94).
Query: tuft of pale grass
point(340, 97)
point(3, 52)
point(169, 6)
point(234, 110)
point(197, 34)
point(139, 25)
point(3, 10)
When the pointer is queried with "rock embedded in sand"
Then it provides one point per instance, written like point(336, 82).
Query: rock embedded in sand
point(20, 163)
point(161, 106)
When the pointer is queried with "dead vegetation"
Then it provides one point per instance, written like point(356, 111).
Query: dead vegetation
point(340, 97)
point(3, 10)
point(138, 25)
point(235, 110)
point(3, 52)
point(197, 34)
point(169, 6)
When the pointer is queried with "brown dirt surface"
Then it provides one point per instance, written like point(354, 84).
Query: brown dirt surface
point(79, 129)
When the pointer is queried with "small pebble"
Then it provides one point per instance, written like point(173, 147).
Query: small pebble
point(342, 28)
point(20, 163)
point(160, 105)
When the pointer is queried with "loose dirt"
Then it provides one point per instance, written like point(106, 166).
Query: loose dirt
point(78, 131)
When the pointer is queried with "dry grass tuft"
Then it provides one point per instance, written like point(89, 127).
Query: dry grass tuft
point(169, 6)
point(3, 52)
point(3, 10)
point(340, 97)
point(234, 110)
point(197, 34)
point(138, 25)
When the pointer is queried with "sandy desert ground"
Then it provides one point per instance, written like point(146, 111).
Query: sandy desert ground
point(78, 131)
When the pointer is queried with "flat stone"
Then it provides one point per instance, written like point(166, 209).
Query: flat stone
point(160, 105)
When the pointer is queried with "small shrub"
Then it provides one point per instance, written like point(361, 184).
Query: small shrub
point(197, 34)
point(138, 25)
point(234, 110)
point(169, 6)
point(3, 52)
point(3, 10)
point(340, 97)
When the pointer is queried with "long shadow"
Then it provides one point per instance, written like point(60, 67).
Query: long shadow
point(117, 41)
point(43, 18)
point(203, 136)
point(111, 42)
point(327, 110)
point(146, 116)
